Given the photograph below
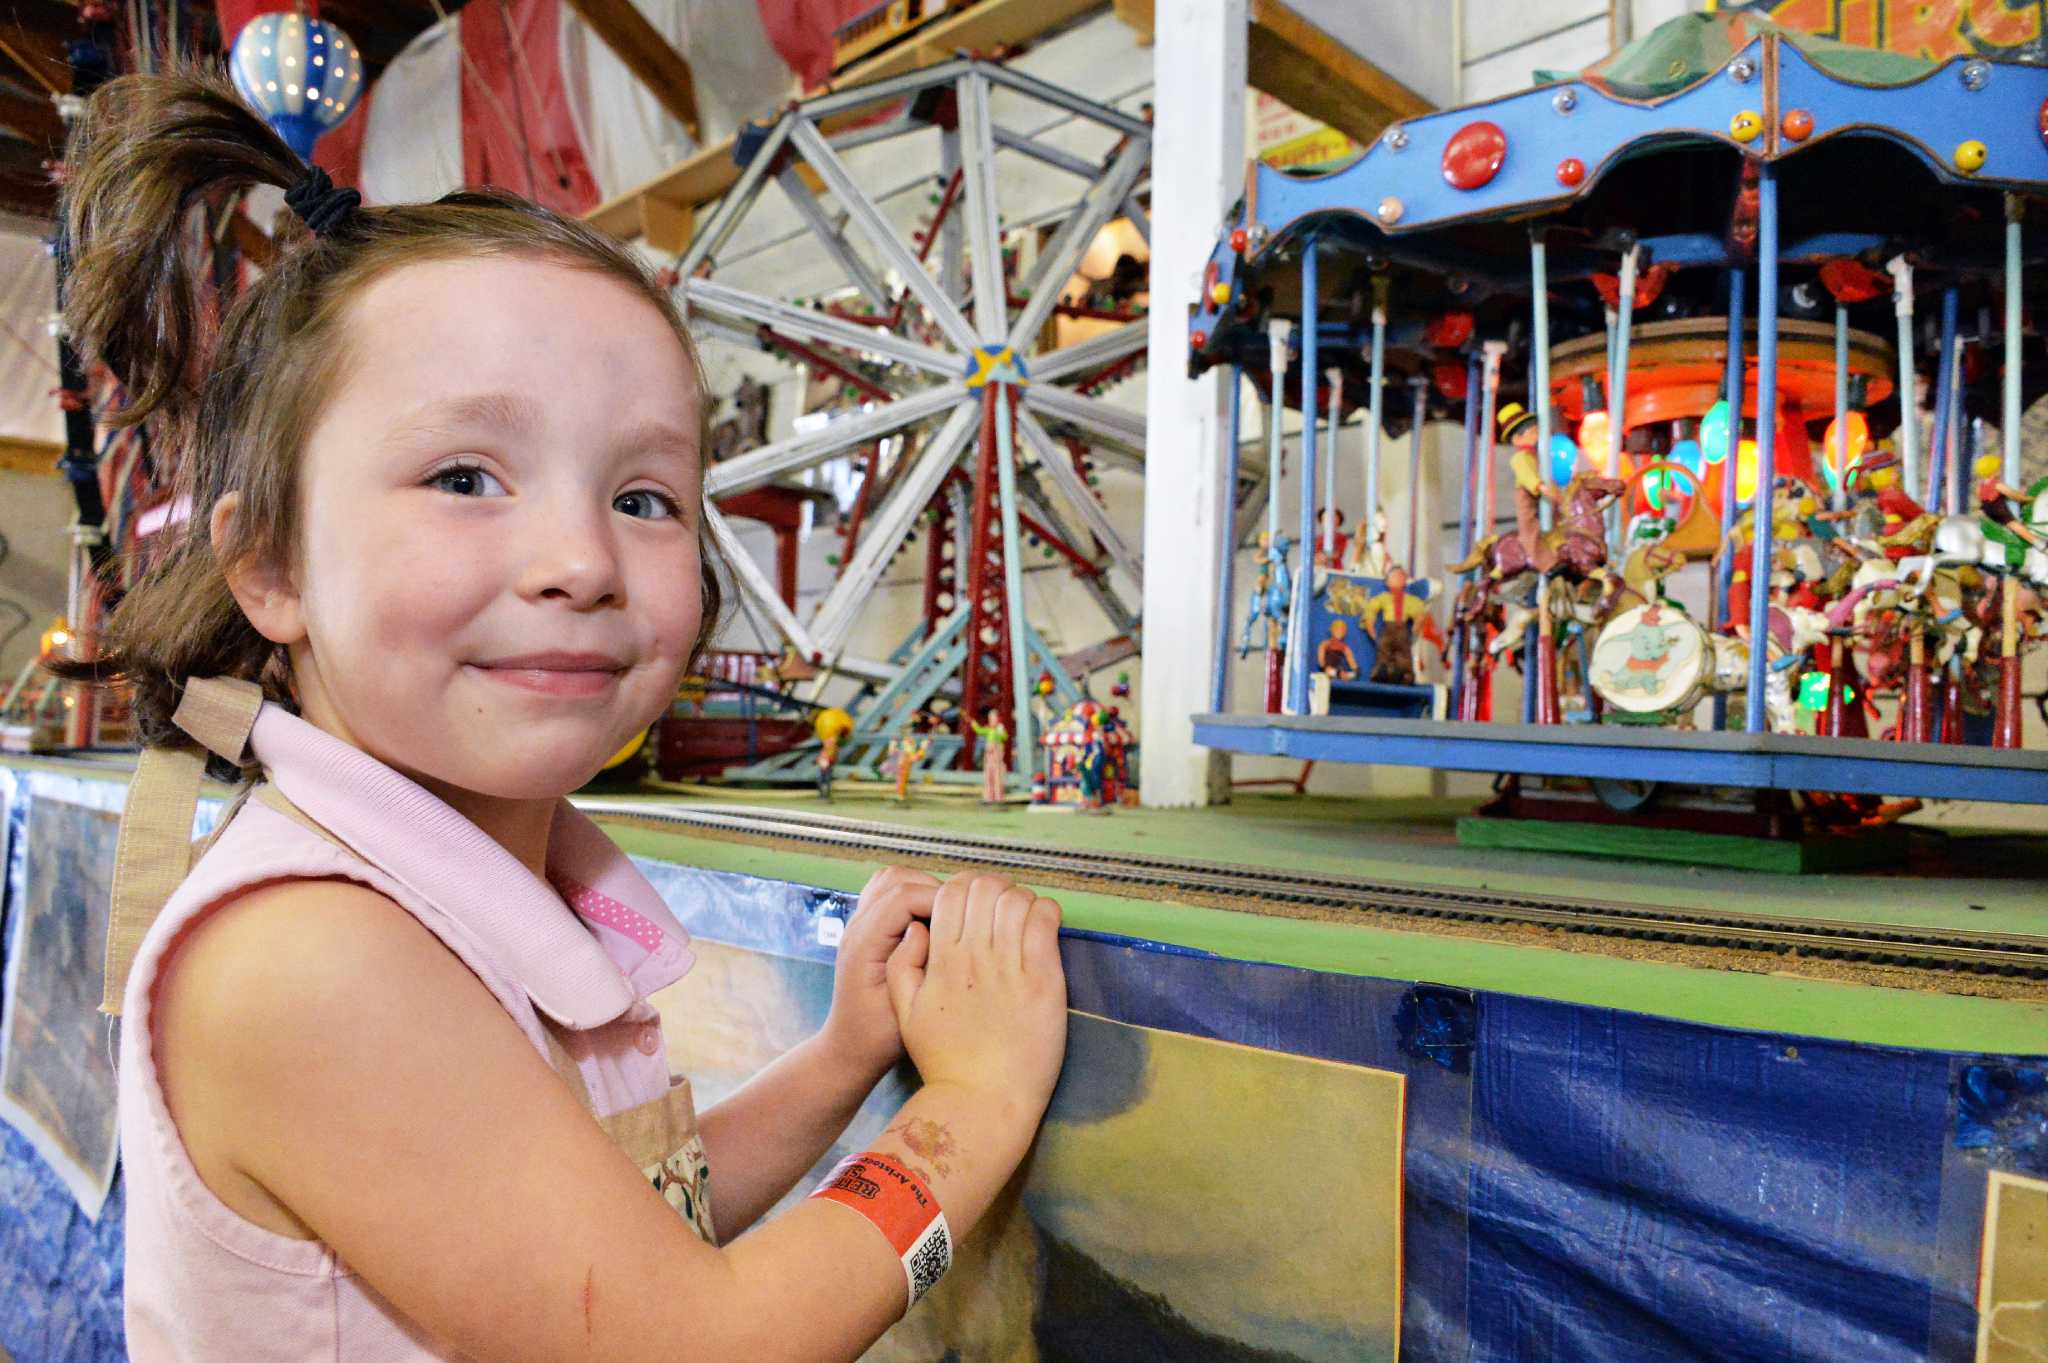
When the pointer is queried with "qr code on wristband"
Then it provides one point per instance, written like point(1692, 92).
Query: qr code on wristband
point(928, 1259)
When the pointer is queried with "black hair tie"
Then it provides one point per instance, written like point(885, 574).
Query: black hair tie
point(319, 204)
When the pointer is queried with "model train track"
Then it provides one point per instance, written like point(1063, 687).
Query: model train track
point(1956, 949)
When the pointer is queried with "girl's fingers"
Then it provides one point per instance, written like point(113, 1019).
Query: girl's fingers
point(1042, 936)
point(1013, 910)
point(905, 971)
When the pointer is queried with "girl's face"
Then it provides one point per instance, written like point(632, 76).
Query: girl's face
point(509, 471)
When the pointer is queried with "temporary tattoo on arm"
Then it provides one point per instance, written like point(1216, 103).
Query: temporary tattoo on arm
point(931, 1140)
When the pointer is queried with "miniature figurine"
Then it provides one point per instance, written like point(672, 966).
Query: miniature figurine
point(907, 749)
point(994, 769)
point(1093, 768)
point(1392, 619)
point(831, 726)
point(1334, 656)
point(1272, 592)
point(1995, 498)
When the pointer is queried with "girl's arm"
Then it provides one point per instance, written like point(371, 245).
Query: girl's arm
point(320, 1043)
point(762, 1139)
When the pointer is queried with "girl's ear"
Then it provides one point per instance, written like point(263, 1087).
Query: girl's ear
point(264, 591)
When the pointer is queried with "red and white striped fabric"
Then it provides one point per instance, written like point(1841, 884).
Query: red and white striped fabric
point(521, 94)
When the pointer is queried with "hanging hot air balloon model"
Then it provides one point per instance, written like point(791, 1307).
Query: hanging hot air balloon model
point(304, 75)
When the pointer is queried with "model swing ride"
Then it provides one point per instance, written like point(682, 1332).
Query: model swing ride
point(1613, 275)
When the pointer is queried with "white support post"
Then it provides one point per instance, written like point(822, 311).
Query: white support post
point(1198, 63)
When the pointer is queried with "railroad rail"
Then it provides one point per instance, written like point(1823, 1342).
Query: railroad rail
point(1954, 949)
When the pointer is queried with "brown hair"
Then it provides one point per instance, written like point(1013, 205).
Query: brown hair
point(238, 408)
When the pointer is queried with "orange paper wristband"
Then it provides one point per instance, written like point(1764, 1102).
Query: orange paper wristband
point(902, 1208)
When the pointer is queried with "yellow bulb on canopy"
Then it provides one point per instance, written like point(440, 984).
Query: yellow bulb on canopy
point(1845, 443)
point(1595, 437)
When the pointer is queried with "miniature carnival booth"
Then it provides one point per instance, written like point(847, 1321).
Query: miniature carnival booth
point(1722, 220)
point(1087, 760)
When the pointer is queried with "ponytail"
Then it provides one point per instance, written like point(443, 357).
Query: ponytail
point(235, 404)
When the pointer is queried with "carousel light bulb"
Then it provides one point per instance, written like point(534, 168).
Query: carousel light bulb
point(1688, 455)
point(1714, 432)
point(1745, 471)
point(1844, 446)
point(1564, 458)
point(1595, 437)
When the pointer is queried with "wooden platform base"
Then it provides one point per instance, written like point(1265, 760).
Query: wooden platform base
point(1860, 849)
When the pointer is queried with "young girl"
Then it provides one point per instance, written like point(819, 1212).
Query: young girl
point(443, 557)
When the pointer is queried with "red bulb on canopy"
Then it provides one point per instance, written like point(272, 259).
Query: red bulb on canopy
point(1571, 172)
point(1239, 238)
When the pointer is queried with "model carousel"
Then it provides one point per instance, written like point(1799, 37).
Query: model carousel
point(1690, 304)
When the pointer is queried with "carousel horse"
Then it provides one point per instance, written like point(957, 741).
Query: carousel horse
point(1575, 547)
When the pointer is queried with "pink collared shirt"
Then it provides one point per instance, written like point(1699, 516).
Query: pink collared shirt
point(585, 948)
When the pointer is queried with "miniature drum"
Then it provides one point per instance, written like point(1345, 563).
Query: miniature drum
point(1651, 660)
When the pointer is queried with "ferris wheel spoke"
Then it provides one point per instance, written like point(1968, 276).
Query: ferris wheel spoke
point(753, 583)
point(880, 232)
point(735, 204)
point(977, 164)
point(834, 241)
point(724, 301)
point(1076, 235)
point(1082, 356)
point(764, 465)
point(1079, 495)
point(1115, 424)
point(890, 526)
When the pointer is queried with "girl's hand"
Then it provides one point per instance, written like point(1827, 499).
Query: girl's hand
point(862, 1028)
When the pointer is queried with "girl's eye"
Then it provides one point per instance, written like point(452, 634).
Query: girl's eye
point(465, 480)
point(644, 503)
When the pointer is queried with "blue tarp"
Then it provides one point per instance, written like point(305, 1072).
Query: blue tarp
point(1580, 1183)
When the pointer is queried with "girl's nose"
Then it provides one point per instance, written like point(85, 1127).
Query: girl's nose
point(572, 556)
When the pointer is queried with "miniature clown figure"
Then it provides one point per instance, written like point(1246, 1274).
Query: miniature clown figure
point(994, 770)
point(1334, 656)
point(1908, 526)
point(908, 749)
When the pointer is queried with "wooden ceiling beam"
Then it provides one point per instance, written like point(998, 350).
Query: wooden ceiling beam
point(31, 116)
point(647, 54)
point(708, 173)
point(1297, 63)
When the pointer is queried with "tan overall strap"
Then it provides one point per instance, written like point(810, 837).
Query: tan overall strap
point(154, 849)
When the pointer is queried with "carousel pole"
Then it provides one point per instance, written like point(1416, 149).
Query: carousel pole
point(1617, 393)
point(1025, 748)
point(1909, 401)
point(1936, 499)
point(1419, 387)
point(1539, 649)
point(1304, 580)
point(1479, 691)
point(1368, 518)
point(1473, 385)
point(1336, 377)
point(1720, 607)
point(1219, 678)
point(1276, 418)
point(1840, 483)
point(1753, 717)
point(2006, 731)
